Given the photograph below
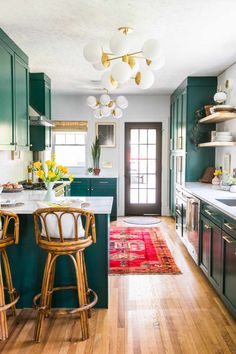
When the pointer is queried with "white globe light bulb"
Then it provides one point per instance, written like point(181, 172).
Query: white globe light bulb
point(122, 102)
point(98, 113)
point(145, 79)
point(151, 49)
point(121, 72)
point(105, 99)
point(106, 111)
point(117, 113)
point(119, 44)
point(91, 101)
point(106, 81)
point(157, 64)
point(93, 52)
point(99, 66)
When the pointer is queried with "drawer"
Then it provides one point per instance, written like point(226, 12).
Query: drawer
point(83, 182)
point(103, 182)
point(212, 213)
point(229, 226)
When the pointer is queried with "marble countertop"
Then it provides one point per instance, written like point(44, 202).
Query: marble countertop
point(209, 193)
point(99, 205)
point(76, 175)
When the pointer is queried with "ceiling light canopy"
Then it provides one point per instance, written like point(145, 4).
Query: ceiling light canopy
point(105, 107)
point(128, 65)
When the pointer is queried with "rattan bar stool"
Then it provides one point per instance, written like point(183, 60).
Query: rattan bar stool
point(60, 231)
point(8, 222)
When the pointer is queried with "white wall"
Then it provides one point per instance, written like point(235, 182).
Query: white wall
point(13, 170)
point(142, 108)
point(229, 73)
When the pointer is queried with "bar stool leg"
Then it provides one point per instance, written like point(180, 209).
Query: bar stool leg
point(51, 284)
point(3, 315)
point(43, 301)
point(9, 280)
point(82, 297)
point(86, 284)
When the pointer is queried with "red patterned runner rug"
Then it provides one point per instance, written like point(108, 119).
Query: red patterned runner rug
point(140, 250)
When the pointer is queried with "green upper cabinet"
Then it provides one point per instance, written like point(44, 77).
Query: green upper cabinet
point(21, 103)
point(14, 118)
point(188, 162)
point(40, 100)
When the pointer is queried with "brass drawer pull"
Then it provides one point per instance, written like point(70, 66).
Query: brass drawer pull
point(208, 212)
point(206, 226)
point(229, 239)
point(228, 226)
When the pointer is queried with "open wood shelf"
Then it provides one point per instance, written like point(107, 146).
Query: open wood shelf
point(217, 144)
point(218, 117)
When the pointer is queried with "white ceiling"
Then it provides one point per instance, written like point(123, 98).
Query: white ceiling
point(197, 36)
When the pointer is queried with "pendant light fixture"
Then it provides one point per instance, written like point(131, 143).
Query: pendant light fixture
point(105, 107)
point(126, 65)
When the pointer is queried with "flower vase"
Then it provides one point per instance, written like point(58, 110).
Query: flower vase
point(50, 194)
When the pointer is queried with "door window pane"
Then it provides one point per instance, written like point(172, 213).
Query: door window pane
point(134, 151)
point(142, 196)
point(151, 136)
point(151, 196)
point(134, 136)
point(143, 136)
point(143, 152)
point(151, 181)
point(142, 181)
point(134, 181)
point(151, 151)
point(151, 166)
point(143, 166)
point(134, 166)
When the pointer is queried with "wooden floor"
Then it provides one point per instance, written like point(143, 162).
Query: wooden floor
point(147, 314)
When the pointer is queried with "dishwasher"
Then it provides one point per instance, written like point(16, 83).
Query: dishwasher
point(192, 225)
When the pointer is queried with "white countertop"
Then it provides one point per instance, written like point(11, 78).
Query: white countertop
point(210, 193)
point(99, 205)
point(75, 175)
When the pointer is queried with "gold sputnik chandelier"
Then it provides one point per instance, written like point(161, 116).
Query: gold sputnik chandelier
point(126, 65)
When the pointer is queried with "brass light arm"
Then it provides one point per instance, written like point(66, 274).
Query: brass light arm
point(121, 56)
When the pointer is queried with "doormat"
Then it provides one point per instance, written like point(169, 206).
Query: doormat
point(140, 250)
point(142, 220)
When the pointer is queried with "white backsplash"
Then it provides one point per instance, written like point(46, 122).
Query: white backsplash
point(14, 170)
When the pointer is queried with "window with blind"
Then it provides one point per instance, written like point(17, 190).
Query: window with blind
point(69, 143)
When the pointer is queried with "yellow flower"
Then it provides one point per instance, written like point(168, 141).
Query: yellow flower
point(51, 174)
point(40, 174)
point(65, 170)
point(217, 173)
point(60, 168)
point(71, 178)
point(37, 165)
point(50, 163)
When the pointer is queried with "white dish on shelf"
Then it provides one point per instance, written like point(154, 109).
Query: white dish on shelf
point(223, 133)
point(225, 140)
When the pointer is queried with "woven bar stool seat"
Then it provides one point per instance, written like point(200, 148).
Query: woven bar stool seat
point(60, 231)
point(9, 222)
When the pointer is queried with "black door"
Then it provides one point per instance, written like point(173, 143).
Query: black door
point(143, 168)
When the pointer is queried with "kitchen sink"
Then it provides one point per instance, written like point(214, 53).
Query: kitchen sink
point(229, 202)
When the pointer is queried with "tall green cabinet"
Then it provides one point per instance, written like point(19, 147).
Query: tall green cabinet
point(14, 96)
point(40, 100)
point(187, 162)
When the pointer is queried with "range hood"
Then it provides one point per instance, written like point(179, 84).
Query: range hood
point(37, 119)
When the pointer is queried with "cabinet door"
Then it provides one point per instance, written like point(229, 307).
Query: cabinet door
point(80, 188)
point(229, 271)
point(105, 187)
point(47, 99)
point(6, 98)
point(205, 237)
point(172, 184)
point(215, 256)
point(21, 103)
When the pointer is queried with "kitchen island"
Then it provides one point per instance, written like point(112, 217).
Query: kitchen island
point(27, 259)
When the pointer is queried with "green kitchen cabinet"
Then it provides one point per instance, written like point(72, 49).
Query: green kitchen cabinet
point(206, 228)
point(190, 161)
point(96, 187)
point(14, 96)
point(40, 100)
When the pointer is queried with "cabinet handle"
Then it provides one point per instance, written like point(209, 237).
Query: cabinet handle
point(228, 226)
point(206, 226)
point(103, 182)
point(91, 189)
point(229, 239)
point(88, 189)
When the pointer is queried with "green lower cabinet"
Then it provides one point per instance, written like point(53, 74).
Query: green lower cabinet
point(96, 187)
point(218, 254)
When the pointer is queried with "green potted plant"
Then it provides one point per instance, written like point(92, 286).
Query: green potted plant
point(96, 152)
point(90, 170)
